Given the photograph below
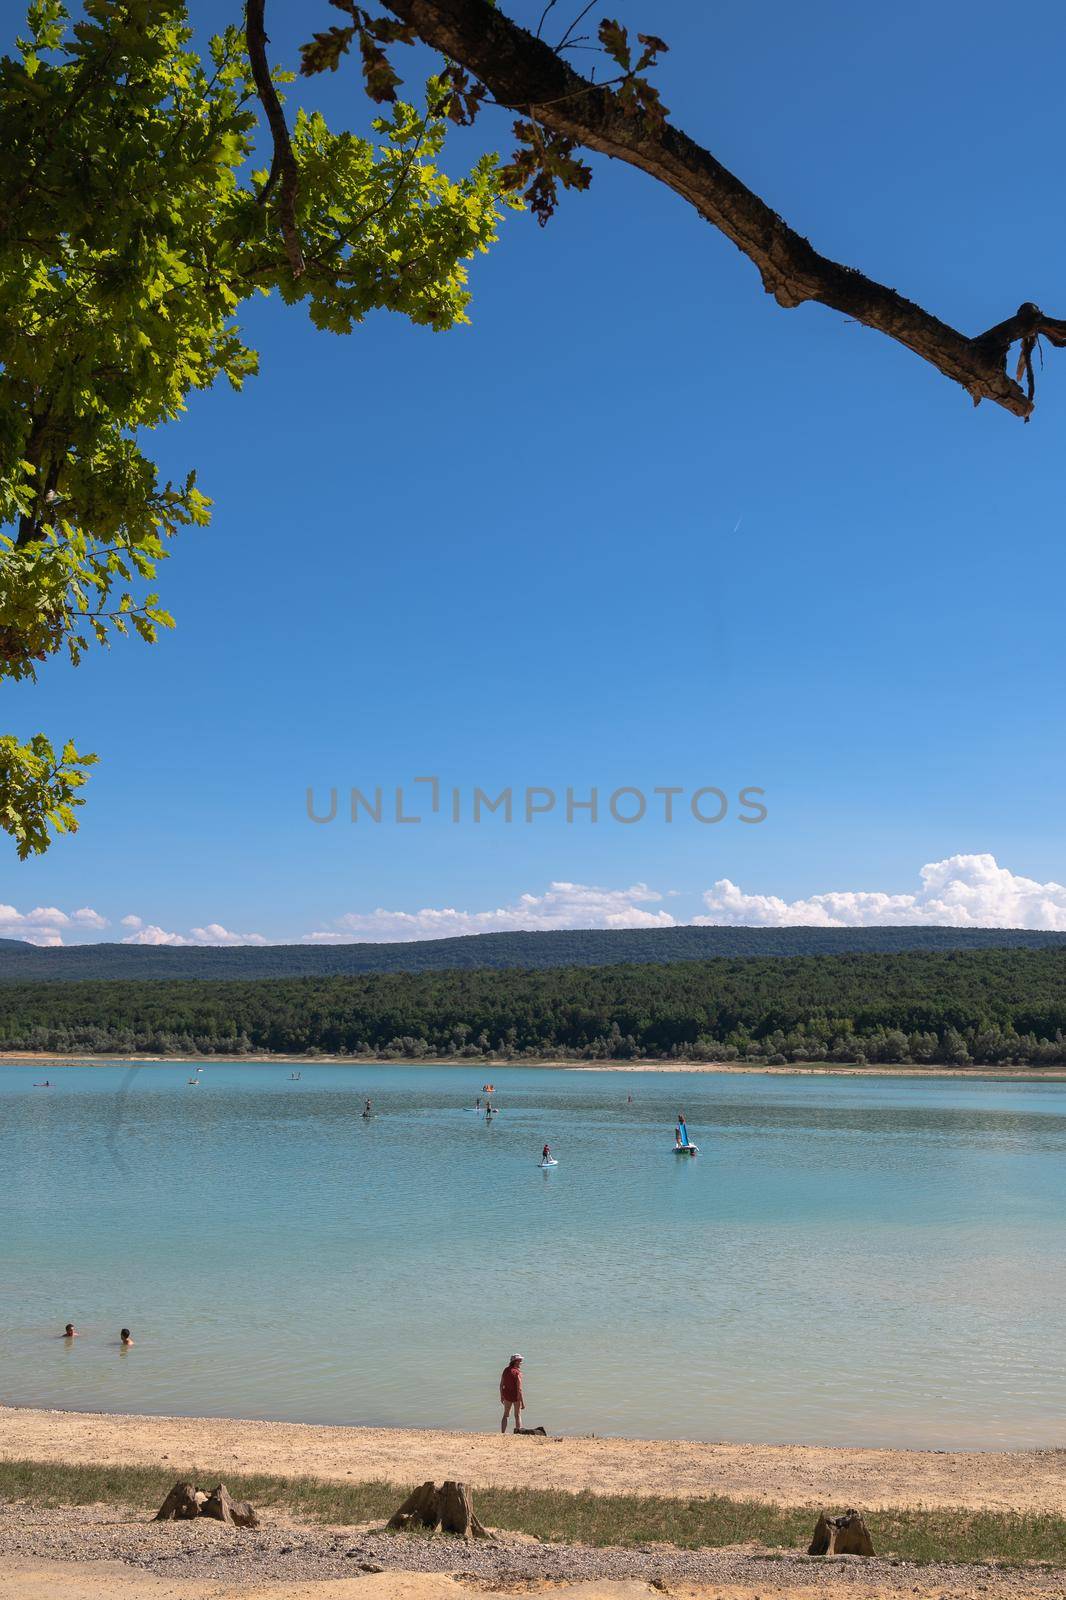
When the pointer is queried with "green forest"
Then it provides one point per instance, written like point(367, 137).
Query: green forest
point(991, 1007)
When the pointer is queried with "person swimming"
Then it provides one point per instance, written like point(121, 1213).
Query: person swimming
point(125, 1337)
point(70, 1331)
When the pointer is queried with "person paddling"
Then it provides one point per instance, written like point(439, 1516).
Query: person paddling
point(546, 1154)
point(511, 1396)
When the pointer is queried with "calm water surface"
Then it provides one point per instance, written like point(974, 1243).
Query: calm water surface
point(847, 1260)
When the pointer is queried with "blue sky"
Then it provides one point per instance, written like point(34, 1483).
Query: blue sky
point(636, 525)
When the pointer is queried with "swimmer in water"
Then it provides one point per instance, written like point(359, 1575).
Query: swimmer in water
point(70, 1331)
point(125, 1337)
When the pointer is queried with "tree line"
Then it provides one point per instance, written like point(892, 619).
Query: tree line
point(988, 1008)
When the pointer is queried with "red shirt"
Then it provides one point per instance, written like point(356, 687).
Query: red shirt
point(511, 1383)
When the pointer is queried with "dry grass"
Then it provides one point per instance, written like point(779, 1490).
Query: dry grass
point(965, 1537)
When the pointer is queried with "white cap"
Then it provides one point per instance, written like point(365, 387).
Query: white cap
point(517, 1358)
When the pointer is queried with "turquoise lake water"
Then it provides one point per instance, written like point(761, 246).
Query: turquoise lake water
point(875, 1260)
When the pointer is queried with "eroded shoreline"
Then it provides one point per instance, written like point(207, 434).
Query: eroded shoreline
point(789, 1475)
point(802, 1069)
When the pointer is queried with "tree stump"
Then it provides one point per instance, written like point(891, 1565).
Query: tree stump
point(841, 1536)
point(221, 1505)
point(448, 1509)
point(182, 1503)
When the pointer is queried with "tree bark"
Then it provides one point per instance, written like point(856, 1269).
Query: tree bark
point(526, 74)
point(448, 1509)
point(846, 1535)
point(181, 1504)
point(221, 1505)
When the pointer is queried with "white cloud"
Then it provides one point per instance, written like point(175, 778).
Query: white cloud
point(151, 933)
point(46, 924)
point(563, 905)
point(964, 891)
point(88, 918)
point(214, 933)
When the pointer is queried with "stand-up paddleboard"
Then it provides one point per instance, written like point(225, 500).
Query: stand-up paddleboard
point(686, 1149)
point(551, 1162)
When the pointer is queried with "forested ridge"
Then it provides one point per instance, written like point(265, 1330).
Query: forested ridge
point(557, 947)
point(989, 1007)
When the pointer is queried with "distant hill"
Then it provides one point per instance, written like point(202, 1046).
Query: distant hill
point(586, 947)
point(989, 1007)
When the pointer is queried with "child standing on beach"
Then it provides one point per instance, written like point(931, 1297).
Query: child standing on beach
point(511, 1395)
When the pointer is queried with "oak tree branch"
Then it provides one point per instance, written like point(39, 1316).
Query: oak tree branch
point(523, 72)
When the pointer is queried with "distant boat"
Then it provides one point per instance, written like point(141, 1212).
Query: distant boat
point(193, 1082)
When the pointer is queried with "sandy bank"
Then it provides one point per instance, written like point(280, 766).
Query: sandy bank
point(811, 1069)
point(783, 1474)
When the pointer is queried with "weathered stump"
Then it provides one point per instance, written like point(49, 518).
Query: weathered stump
point(448, 1509)
point(542, 1432)
point(182, 1503)
point(185, 1501)
point(847, 1535)
point(221, 1505)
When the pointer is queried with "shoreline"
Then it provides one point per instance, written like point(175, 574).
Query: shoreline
point(800, 1069)
point(786, 1475)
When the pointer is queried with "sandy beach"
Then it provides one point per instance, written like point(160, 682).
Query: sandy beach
point(84, 1552)
point(801, 1069)
point(783, 1474)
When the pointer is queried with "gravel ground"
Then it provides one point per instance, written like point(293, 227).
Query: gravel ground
point(285, 1551)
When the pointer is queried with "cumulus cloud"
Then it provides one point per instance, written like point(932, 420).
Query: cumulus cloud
point(46, 925)
point(214, 933)
point(563, 905)
point(964, 891)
